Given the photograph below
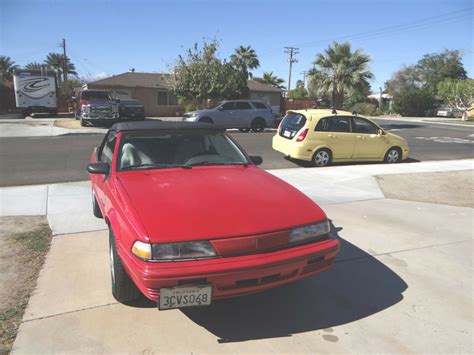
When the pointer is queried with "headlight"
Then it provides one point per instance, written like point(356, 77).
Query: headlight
point(312, 231)
point(142, 250)
point(186, 250)
point(86, 108)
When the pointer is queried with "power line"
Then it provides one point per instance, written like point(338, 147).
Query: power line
point(292, 52)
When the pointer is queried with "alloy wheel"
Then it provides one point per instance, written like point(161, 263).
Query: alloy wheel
point(321, 158)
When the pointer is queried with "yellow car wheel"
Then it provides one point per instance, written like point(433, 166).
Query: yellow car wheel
point(394, 155)
point(322, 157)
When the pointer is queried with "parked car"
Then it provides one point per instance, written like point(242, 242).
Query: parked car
point(95, 107)
point(245, 115)
point(193, 219)
point(447, 111)
point(324, 136)
point(131, 110)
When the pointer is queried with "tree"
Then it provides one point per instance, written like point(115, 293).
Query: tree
point(339, 71)
point(7, 66)
point(272, 80)
point(458, 94)
point(413, 102)
point(299, 92)
point(428, 72)
point(244, 59)
point(35, 66)
point(55, 61)
point(408, 77)
point(200, 75)
point(436, 67)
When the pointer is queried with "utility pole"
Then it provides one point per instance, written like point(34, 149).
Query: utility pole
point(304, 77)
point(292, 52)
point(64, 60)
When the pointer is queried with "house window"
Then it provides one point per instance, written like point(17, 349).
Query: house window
point(167, 98)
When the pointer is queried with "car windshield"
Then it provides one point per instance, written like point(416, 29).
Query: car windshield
point(170, 149)
point(96, 95)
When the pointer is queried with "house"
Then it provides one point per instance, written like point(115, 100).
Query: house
point(155, 92)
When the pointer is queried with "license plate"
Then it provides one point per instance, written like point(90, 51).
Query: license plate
point(185, 296)
point(287, 134)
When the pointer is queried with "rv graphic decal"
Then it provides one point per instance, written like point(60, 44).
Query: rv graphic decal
point(35, 84)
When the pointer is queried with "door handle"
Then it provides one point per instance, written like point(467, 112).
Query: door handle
point(331, 136)
point(361, 137)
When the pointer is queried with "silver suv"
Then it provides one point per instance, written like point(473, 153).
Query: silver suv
point(245, 115)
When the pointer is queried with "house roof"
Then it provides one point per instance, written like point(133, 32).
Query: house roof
point(161, 80)
point(256, 86)
point(132, 79)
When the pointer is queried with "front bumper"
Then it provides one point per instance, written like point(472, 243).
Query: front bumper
point(234, 276)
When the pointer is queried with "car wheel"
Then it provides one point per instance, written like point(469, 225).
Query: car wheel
point(123, 288)
point(244, 130)
point(206, 120)
point(394, 155)
point(322, 158)
point(95, 206)
point(258, 125)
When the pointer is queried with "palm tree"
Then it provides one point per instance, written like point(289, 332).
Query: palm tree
point(272, 80)
point(339, 71)
point(56, 61)
point(35, 66)
point(244, 59)
point(7, 66)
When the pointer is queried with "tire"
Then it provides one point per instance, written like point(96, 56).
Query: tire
point(123, 288)
point(83, 123)
point(95, 206)
point(322, 157)
point(206, 120)
point(244, 130)
point(393, 156)
point(258, 125)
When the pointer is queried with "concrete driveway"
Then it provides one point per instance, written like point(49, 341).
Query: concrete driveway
point(402, 283)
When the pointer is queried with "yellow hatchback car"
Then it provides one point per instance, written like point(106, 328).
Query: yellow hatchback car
point(323, 136)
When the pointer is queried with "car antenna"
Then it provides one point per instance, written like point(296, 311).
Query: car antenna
point(334, 112)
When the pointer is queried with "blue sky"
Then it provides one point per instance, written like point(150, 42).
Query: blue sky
point(106, 37)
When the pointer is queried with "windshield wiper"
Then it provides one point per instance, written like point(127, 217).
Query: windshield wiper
point(156, 166)
point(216, 163)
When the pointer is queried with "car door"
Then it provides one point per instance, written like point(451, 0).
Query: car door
point(335, 132)
point(243, 114)
point(101, 182)
point(226, 114)
point(369, 143)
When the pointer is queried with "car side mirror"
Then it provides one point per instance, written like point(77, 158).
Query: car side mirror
point(381, 132)
point(220, 108)
point(98, 168)
point(256, 159)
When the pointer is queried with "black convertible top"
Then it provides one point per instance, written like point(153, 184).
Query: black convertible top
point(163, 125)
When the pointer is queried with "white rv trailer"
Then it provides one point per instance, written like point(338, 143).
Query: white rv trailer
point(35, 91)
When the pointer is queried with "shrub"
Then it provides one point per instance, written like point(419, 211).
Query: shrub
point(364, 108)
point(413, 102)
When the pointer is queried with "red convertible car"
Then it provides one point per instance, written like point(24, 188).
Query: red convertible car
point(192, 218)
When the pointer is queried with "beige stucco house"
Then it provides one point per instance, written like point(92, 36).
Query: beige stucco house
point(154, 91)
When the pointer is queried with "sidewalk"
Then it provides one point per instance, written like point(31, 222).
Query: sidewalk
point(68, 205)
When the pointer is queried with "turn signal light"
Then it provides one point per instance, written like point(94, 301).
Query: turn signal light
point(302, 135)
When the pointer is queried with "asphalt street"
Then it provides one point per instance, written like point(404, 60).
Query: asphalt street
point(37, 160)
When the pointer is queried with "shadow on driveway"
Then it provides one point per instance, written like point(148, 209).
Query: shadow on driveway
point(357, 286)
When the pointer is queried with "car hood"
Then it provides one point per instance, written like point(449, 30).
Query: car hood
point(215, 202)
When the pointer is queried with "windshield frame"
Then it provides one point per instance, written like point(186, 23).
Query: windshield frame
point(119, 148)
